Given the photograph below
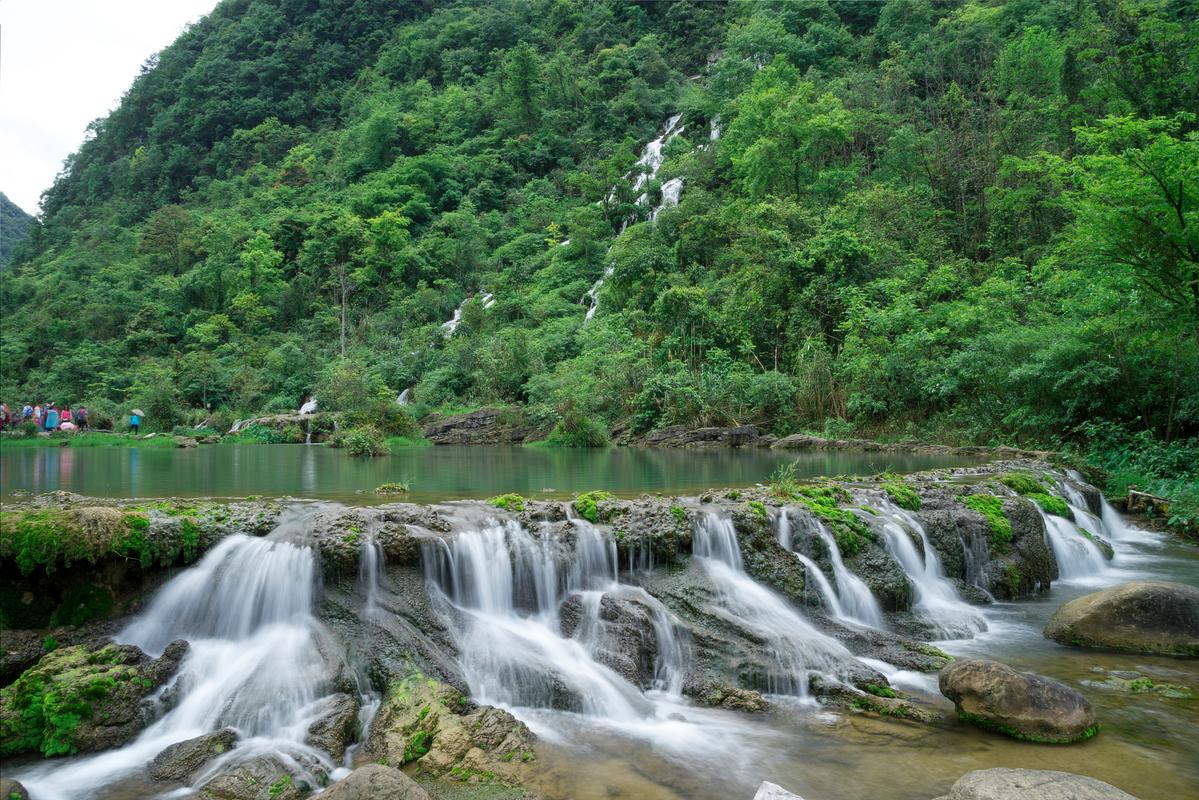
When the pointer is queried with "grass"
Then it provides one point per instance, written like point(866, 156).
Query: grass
point(92, 439)
point(407, 442)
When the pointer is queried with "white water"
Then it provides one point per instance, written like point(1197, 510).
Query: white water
point(647, 167)
point(1077, 556)
point(370, 565)
point(451, 324)
point(796, 648)
point(309, 407)
point(936, 599)
point(253, 664)
point(855, 599)
point(405, 397)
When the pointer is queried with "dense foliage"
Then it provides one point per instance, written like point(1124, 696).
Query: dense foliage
point(954, 220)
point(14, 228)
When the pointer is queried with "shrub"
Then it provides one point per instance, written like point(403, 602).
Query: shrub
point(783, 482)
point(360, 442)
point(259, 434)
point(578, 431)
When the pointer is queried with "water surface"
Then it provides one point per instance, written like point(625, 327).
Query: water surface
point(434, 473)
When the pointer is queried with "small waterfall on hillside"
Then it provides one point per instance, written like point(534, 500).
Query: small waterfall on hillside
point(506, 588)
point(451, 325)
point(254, 664)
point(405, 397)
point(936, 599)
point(795, 646)
point(647, 167)
point(852, 601)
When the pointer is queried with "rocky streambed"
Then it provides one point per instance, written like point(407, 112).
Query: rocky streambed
point(652, 647)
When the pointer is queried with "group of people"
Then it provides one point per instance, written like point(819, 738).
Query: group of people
point(47, 418)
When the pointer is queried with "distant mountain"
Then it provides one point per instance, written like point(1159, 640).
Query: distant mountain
point(14, 228)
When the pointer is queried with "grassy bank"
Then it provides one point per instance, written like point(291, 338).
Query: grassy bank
point(93, 439)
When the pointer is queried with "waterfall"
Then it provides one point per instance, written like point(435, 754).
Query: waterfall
point(451, 325)
point(854, 602)
point(647, 165)
point(1077, 556)
point(796, 648)
point(246, 610)
point(714, 128)
point(936, 599)
point(309, 407)
point(405, 397)
point(370, 565)
point(505, 587)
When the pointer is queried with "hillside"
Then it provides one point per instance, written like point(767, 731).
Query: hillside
point(969, 221)
point(14, 228)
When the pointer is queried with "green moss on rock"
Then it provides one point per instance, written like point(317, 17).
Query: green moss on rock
point(508, 502)
point(991, 507)
point(587, 504)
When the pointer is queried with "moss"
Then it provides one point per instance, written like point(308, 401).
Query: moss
point(1141, 685)
point(1011, 574)
point(991, 507)
point(587, 504)
point(865, 703)
point(509, 502)
point(902, 495)
point(679, 514)
point(280, 786)
point(733, 495)
point(1022, 483)
point(1052, 504)
point(847, 528)
point(987, 724)
point(758, 507)
point(881, 691)
point(392, 487)
point(417, 746)
point(49, 537)
point(81, 604)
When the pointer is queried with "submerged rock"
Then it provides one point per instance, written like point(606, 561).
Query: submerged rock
point(1155, 617)
point(375, 782)
point(1022, 705)
point(182, 760)
point(1031, 784)
point(434, 725)
point(82, 699)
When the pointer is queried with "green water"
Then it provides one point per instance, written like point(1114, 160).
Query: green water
point(434, 473)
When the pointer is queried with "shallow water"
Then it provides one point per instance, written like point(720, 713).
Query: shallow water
point(435, 473)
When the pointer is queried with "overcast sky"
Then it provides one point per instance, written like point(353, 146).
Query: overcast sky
point(63, 63)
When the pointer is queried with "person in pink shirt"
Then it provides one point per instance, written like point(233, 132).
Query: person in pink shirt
point(37, 416)
point(65, 416)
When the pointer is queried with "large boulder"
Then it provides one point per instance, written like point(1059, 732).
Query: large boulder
point(265, 777)
point(82, 699)
point(436, 726)
point(1022, 705)
point(623, 637)
point(334, 729)
point(375, 782)
point(1137, 617)
point(179, 762)
point(1031, 784)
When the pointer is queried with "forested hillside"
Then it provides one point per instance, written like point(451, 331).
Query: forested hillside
point(966, 221)
point(14, 228)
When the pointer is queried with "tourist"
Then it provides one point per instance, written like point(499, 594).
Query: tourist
point(37, 417)
point(52, 418)
point(81, 418)
point(26, 413)
point(65, 416)
point(135, 423)
point(6, 420)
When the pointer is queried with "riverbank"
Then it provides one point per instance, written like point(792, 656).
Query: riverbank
point(631, 636)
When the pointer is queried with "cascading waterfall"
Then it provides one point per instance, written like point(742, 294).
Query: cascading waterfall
point(505, 588)
point(936, 599)
point(405, 397)
point(851, 601)
point(451, 324)
point(370, 565)
point(253, 664)
point(1077, 556)
point(796, 647)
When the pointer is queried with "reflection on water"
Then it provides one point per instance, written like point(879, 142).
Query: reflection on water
point(435, 473)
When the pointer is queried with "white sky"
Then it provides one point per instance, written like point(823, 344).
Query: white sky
point(63, 63)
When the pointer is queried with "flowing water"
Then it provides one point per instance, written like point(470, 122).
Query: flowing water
point(851, 601)
point(1077, 556)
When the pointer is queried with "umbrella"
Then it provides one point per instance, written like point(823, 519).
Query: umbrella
point(137, 412)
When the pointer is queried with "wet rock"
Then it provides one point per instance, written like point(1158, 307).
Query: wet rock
point(424, 721)
point(1031, 784)
point(649, 533)
point(883, 576)
point(737, 699)
point(772, 791)
point(12, 790)
point(340, 534)
point(185, 442)
point(1156, 617)
point(335, 728)
point(97, 697)
point(375, 782)
point(764, 559)
point(623, 634)
point(1022, 705)
point(265, 777)
point(179, 762)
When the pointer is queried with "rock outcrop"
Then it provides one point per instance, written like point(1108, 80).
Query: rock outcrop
point(1156, 617)
point(485, 426)
point(82, 699)
point(1031, 784)
point(683, 436)
point(375, 782)
point(1022, 705)
point(179, 762)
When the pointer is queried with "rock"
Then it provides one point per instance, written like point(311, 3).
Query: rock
point(12, 790)
point(683, 436)
point(485, 426)
point(1031, 784)
point(1155, 617)
point(1144, 503)
point(335, 728)
point(266, 777)
point(1022, 705)
point(185, 442)
point(179, 762)
point(772, 791)
point(375, 782)
point(97, 694)
point(736, 699)
point(428, 722)
point(625, 640)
